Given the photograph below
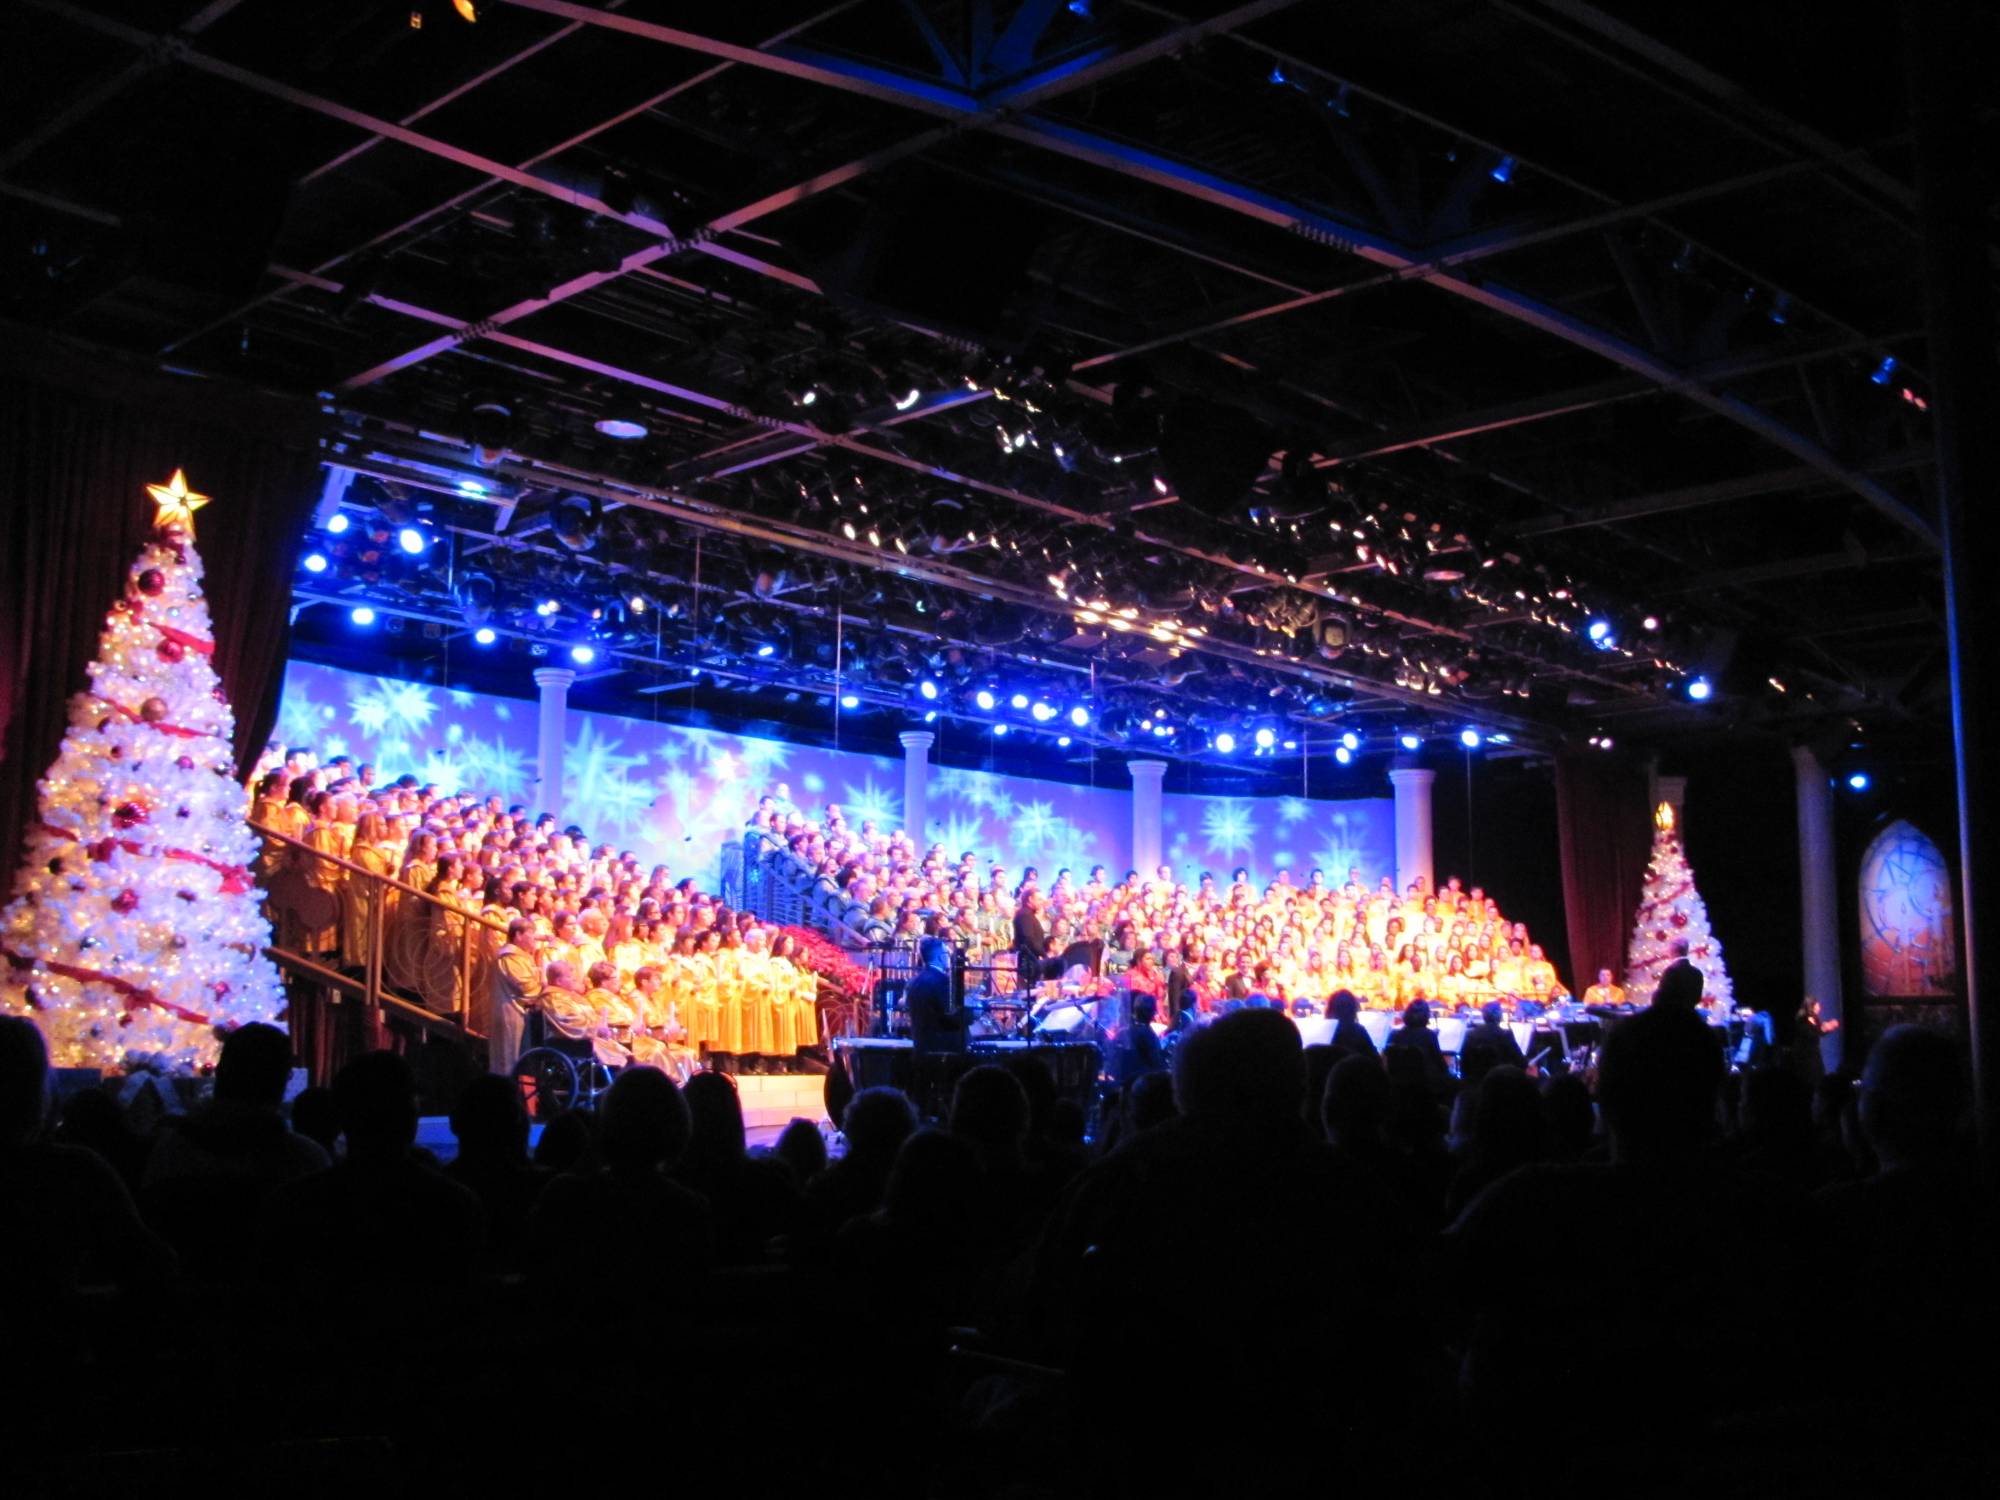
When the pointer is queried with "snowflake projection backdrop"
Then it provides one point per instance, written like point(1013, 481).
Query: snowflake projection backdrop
point(675, 794)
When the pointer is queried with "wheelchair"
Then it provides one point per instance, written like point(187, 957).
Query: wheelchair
point(558, 1072)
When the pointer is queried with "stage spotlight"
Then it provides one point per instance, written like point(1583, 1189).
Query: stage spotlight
point(337, 523)
point(1411, 742)
point(574, 523)
point(849, 700)
point(361, 614)
point(546, 608)
point(1042, 712)
point(928, 690)
point(930, 716)
point(1651, 622)
point(1858, 781)
point(1884, 370)
point(1701, 690)
point(485, 635)
point(1469, 738)
point(314, 562)
point(1018, 702)
point(910, 399)
point(1162, 731)
point(1063, 741)
point(1291, 744)
point(411, 540)
point(999, 728)
point(1226, 743)
point(1599, 630)
point(1344, 755)
point(1080, 716)
point(1350, 741)
point(985, 701)
point(583, 656)
point(1503, 170)
point(1266, 738)
point(767, 650)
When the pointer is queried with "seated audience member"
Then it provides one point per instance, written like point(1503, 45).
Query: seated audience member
point(1506, 1132)
point(753, 1200)
point(876, 1122)
point(567, 1141)
point(70, 1221)
point(381, 1218)
point(491, 1127)
point(316, 1117)
point(924, 1238)
point(1350, 1037)
point(1634, 1239)
point(802, 1149)
point(627, 1213)
point(209, 1174)
point(1416, 1038)
point(1489, 1045)
point(1139, 1051)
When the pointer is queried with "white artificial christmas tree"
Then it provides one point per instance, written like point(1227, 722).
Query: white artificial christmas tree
point(1672, 920)
point(136, 936)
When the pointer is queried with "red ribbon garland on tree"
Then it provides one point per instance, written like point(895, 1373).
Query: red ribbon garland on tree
point(235, 879)
point(136, 996)
point(137, 607)
point(173, 729)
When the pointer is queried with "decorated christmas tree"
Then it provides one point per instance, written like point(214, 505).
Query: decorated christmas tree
point(135, 937)
point(1672, 921)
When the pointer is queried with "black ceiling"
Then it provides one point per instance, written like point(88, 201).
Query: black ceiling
point(1330, 365)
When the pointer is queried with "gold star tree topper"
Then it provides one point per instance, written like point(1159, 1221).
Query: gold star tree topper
point(177, 503)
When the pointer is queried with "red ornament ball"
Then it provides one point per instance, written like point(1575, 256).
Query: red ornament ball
point(152, 581)
point(125, 901)
point(170, 650)
point(185, 762)
point(153, 710)
point(1660, 935)
point(1702, 951)
point(117, 752)
point(1680, 919)
point(221, 988)
point(128, 814)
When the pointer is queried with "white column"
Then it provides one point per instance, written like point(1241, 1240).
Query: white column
point(916, 784)
point(1146, 778)
point(1412, 785)
point(554, 684)
point(1819, 912)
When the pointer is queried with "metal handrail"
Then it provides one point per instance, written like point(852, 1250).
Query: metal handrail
point(370, 987)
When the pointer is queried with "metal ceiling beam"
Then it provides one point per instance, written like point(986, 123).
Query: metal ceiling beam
point(87, 103)
point(1251, 203)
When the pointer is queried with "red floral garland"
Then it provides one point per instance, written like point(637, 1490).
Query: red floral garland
point(235, 878)
point(829, 962)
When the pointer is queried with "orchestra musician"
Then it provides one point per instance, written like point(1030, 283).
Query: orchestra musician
point(1606, 991)
point(936, 1024)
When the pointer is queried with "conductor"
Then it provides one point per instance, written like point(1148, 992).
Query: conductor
point(1031, 937)
point(936, 1025)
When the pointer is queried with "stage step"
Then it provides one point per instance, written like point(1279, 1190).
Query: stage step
point(776, 1099)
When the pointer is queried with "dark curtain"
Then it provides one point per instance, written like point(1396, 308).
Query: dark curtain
point(1605, 829)
point(80, 439)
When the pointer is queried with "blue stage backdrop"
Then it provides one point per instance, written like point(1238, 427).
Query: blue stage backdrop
point(675, 794)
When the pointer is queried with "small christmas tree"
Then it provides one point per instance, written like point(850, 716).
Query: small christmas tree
point(1672, 921)
point(135, 936)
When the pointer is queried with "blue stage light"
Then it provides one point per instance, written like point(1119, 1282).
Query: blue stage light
point(337, 523)
point(1350, 741)
point(1344, 755)
point(411, 540)
point(985, 700)
point(1226, 742)
point(767, 649)
point(1469, 738)
point(485, 635)
point(999, 728)
point(1701, 690)
point(315, 562)
point(361, 614)
point(546, 608)
point(1266, 738)
point(1598, 630)
point(583, 656)
point(1859, 781)
point(1018, 702)
point(850, 700)
point(1503, 170)
point(1080, 716)
point(930, 716)
point(1063, 741)
point(1884, 370)
point(1042, 712)
point(1411, 741)
point(927, 690)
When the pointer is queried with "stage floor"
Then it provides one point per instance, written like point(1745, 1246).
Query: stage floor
point(769, 1105)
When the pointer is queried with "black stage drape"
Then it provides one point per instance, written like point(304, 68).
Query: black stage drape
point(80, 438)
point(1605, 831)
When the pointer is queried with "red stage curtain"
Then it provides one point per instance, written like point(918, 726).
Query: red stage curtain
point(1605, 830)
point(80, 438)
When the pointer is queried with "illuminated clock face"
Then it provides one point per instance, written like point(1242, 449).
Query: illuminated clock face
point(1908, 942)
